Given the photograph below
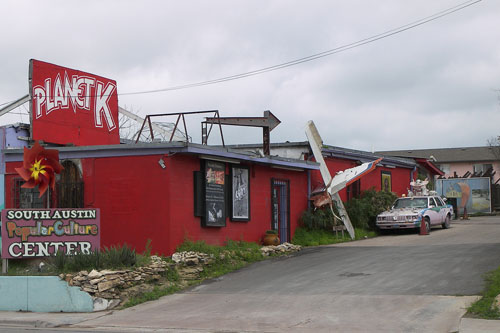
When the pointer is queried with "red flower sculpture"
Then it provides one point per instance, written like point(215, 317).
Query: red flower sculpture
point(39, 166)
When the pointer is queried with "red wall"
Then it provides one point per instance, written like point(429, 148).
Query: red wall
point(183, 223)
point(139, 200)
point(400, 177)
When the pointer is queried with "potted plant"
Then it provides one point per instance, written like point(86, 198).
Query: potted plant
point(271, 238)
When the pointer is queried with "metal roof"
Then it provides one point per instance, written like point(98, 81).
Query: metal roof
point(340, 152)
point(447, 155)
point(141, 149)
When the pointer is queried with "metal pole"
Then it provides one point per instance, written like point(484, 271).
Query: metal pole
point(150, 128)
point(175, 128)
point(220, 128)
point(185, 128)
point(140, 131)
point(5, 266)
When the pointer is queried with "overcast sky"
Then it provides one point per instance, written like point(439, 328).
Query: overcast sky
point(432, 86)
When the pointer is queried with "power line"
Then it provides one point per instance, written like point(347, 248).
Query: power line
point(316, 56)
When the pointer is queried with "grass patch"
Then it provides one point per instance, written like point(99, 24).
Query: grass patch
point(114, 257)
point(155, 294)
point(230, 257)
point(315, 237)
point(483, 308)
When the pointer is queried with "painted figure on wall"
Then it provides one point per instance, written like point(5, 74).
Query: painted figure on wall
point(386, 181)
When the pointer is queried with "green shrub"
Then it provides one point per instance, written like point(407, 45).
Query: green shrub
point(198, 246)
point(117, 257)
point(109, 258)
point(317, 219)
point(363, 211)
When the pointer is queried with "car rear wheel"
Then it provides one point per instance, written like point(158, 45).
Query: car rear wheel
point(446, 223)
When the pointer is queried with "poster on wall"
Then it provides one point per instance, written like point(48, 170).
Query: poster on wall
point(215, 194)
point(386, 181)
point(240, 194)
point(31, 233)
point(471, 193)
point(71, 106)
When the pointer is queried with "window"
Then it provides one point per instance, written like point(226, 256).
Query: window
point(482, 168)
point(445, 168)
point(70, 186)
point(439, 201)
point(28, 197)
point(354, 190)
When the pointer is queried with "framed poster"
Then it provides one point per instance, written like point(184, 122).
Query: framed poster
point(386, 181)
point(240, 193)
point(215, 194)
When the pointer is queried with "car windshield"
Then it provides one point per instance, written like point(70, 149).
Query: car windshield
point(411, 203)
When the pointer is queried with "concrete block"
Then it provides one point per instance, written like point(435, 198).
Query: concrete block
point(50, 294)
point(13, 293)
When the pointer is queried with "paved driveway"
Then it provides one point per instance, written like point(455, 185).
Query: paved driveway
point(395, 283)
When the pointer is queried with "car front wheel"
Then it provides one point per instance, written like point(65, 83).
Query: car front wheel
point(446, 223)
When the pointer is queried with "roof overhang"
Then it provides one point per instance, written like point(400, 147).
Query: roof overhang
point(141, 149)
point(429, 166)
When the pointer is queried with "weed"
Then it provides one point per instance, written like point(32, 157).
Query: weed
point(155, 294)
point(148, 248)
point(113, 257)
point(172, 275)
point(483, 308)
point(306, 237)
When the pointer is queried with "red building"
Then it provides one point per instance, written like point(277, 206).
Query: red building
point(392, 173)
point(164, 192)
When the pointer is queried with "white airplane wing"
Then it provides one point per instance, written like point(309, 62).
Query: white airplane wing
point(349, 176)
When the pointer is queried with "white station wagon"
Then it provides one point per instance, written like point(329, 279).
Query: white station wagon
point(408, 212)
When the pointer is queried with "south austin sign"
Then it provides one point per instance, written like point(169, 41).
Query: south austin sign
point(28, 233)
point(71, 106)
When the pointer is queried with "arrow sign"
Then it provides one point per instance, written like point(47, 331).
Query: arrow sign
point(268, 121)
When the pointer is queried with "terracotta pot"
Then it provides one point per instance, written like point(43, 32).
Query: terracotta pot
point(271, 239)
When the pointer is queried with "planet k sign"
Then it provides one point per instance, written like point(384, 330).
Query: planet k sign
point(69, 106)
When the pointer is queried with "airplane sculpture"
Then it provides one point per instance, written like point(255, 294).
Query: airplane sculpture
point(339, 181)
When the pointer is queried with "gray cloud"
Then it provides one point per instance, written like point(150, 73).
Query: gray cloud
point(437, 80)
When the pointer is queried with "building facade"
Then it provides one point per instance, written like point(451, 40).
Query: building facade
point(165, 192)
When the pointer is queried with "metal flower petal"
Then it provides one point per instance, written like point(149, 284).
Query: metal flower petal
point(39, 167)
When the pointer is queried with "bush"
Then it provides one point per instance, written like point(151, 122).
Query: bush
point(363, 211)
point(114, 257)
point(320, 219)
point(307, 237)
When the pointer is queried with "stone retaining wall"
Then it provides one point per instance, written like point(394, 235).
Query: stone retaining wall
point(109, 288)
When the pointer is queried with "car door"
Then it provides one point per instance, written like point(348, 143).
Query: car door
point(442, 208)
point(433, 212)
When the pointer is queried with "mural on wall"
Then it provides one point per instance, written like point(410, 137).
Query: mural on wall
point(386, 181)
point(470, 193)
point(240, 209)
point(215, 194)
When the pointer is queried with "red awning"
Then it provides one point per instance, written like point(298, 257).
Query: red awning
point(430, 166)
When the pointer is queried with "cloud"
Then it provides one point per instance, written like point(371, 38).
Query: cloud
point(437, 76)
